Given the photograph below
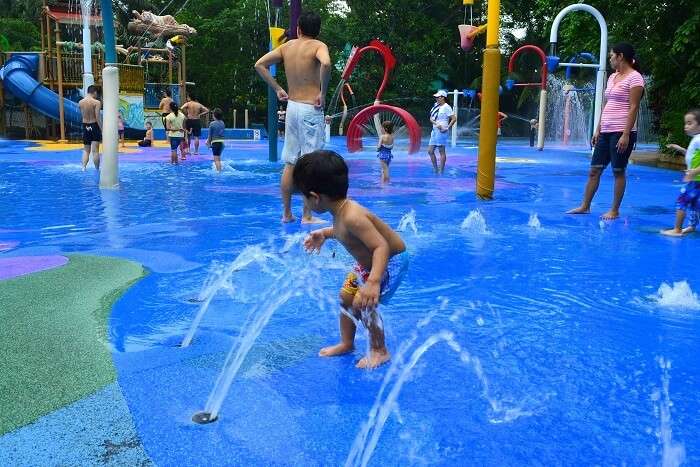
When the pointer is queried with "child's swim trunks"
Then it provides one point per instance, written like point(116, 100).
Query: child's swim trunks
point(689, 200)
point(384, 154)
point(393, 276)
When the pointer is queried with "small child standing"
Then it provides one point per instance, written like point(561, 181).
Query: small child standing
point(384, 147)
point(382, 261)
point(147, 140)
point(120, 126)
point(215, 140)
point(689, 199)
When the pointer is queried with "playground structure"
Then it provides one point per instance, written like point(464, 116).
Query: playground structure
point(404, 122)
point(553, 61)
point(51, 81)
point(511, 83)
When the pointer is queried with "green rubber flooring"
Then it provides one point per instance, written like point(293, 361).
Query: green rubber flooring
point(53, 335)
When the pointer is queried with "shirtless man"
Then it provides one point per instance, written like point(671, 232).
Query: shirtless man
point(164, 107)
point(193, 110)
point(92, 127)
point(307, 65)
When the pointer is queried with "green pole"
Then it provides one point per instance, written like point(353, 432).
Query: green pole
point(108, 29)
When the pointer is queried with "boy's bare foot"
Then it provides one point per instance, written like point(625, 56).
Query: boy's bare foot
point(689, 229)
point(337, 349)
point(376, 358)
point(673, 232)
point(579, 210)
point(288, 218)
point(313, 220)
point(610, 215)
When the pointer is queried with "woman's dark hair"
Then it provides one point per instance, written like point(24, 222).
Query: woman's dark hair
point(167, 92)
point(628, 54)
point(388, 126)
point(174, 108)
point(218, 114)
point(323, 172)
point(310, 23)
point(695, 113)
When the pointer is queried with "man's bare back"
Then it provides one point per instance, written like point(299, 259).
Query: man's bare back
point(354, 245)
point(193, 109)
point(89, 109)
point(164, 106)
point(302, 68)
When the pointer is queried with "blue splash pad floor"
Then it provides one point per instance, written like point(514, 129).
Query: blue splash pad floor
point(564, 319)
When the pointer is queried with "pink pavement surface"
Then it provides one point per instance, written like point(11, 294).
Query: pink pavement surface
point(20, 265)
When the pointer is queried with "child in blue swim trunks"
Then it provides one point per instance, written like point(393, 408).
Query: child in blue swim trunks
point(384, 147)
point(382, 261)
point(689, 199)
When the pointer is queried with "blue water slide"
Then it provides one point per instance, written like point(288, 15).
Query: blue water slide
point(19, 78)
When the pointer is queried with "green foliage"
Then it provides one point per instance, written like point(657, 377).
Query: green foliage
point(20, 33)
point(423, 35)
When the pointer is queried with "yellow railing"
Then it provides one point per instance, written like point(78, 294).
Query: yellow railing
point(131, 78)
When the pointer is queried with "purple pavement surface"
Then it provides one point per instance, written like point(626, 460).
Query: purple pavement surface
point(21, 265)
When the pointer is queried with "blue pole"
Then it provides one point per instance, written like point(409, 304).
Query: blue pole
point(108, 29)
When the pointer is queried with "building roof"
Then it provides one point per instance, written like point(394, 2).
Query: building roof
point(65, 17)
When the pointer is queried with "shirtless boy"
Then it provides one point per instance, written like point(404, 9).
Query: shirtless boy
point(193, 111)
point(307, 65)
point(92, 127)
point(382, 261)
point(164, 107)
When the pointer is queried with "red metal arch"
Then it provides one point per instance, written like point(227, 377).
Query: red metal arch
point(355, 129)
point(383, 50)
point(538, 51)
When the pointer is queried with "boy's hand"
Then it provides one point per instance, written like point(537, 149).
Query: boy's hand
point(367, 297)
point(690, 174)
point(314, 241)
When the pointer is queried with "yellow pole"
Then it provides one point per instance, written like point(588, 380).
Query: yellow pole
point(486, 167)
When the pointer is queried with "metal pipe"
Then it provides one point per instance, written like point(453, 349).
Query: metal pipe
point(455, 107)
point(109, 169)
point(579, 65)
point(602, 58)
point(88, 77)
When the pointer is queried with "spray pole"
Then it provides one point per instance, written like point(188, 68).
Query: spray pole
point(486, 167)
point(109, 167)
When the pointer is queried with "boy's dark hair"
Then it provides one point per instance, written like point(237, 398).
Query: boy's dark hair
point(388, 126)
point(218, 114)
point(167, 92)
point(310, 23)
point(695, 113)
point(323, 172)
point(149, 123)
point(92, 89)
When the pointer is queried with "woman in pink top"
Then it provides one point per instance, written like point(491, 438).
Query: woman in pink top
point(617, 130)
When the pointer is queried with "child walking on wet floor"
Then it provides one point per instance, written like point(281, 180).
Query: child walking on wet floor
point(384, 147)
point(215, 140)
point(382, 260)
point(689, 198)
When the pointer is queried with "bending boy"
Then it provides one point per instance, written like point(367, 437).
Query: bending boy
point(382, 261)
